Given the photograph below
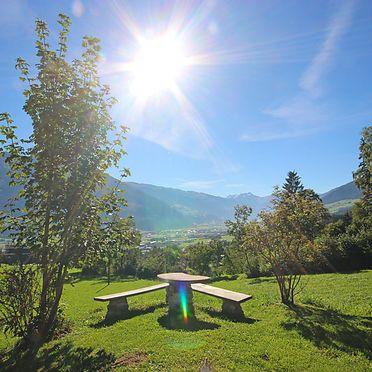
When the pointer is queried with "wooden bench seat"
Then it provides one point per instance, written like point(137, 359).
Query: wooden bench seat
point(118, 303)
point(231, 300)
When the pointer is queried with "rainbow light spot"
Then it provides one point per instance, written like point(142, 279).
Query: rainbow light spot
point(182, 290)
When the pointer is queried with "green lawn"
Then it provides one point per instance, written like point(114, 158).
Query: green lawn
point(341, 207)
point(330, 330)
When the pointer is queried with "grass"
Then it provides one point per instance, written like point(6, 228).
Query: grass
point(341, 206)
point(329, 329)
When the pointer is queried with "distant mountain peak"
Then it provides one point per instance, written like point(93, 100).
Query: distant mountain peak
point(243, 195)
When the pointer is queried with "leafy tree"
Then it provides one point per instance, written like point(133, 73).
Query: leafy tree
point(129, 238)
point(173, 258)
point(116, 237)
point(60, 169)
point(205, 258)
point(236, 228)
point(284, 237)
point(333, 253)
point(236, 257)
point(361, 227)
point(19, 294)
point(347, 243)
point(350, 248)
point(152, 263)
point(160, 260)
point(343, 249)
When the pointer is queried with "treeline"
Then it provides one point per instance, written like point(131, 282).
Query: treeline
point(344, 244)
point(296, 236)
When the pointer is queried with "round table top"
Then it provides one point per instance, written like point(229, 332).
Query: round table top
point(182, 277)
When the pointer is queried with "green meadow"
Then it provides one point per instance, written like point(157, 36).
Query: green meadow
point(328, 330)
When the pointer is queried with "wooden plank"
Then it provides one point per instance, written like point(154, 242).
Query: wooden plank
point(134, 292)
point(220, 293)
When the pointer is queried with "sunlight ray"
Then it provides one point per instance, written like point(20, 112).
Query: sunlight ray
point(193, 117)
point(127, 21)
point(214, 154)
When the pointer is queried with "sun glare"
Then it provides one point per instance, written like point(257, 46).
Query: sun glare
point(157, 66)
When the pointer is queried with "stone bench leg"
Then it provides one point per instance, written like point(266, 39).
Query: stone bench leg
point(232, 309)
point(117, 307)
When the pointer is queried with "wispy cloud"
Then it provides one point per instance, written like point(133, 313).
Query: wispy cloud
point(235, 185)
point(304, 114)
point(299, 117)
point(267, 136)
point(199, 184)
point(298, 109)
point(15, 18)
point(311, 81)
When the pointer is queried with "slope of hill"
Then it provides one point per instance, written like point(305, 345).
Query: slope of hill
point(161, 208)
point(344, 192)
point(157, 207)
point(341, 207)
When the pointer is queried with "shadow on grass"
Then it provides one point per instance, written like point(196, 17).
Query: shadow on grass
point(219, 314)
point(60, 357)
point(193, 325)
point(224, 278)
point(262, 280)
point(101, 289)
point(328, 328)
point(98, 279)
point(131, 313)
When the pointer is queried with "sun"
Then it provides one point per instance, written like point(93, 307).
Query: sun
point(157, 66)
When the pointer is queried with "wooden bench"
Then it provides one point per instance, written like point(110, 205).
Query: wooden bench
point(231, 300)
point(118, 303)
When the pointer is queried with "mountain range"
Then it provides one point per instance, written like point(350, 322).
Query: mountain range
point(161, 208)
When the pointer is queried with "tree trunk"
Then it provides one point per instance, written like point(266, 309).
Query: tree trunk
point(284, 293)
point(44, 259)
point(108, 271)
point(47, 329)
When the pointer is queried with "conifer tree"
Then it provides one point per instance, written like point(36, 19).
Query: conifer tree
point(363, 175)
point(293, 184)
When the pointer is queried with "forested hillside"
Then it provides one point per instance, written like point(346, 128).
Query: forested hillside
point(159, 208)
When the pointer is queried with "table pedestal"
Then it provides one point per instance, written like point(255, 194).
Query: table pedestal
point(181, 312)
point(179, 300)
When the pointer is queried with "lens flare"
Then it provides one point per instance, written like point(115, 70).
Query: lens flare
point(157, 66)
point(182, 290)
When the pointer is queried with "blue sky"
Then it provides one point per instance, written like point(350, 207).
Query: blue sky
point(282, 85)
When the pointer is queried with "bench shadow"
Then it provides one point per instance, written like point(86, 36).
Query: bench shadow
point(59, 357)
point(193, 325)
point(328, 328)
point(219, 314)
point(131, 313)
